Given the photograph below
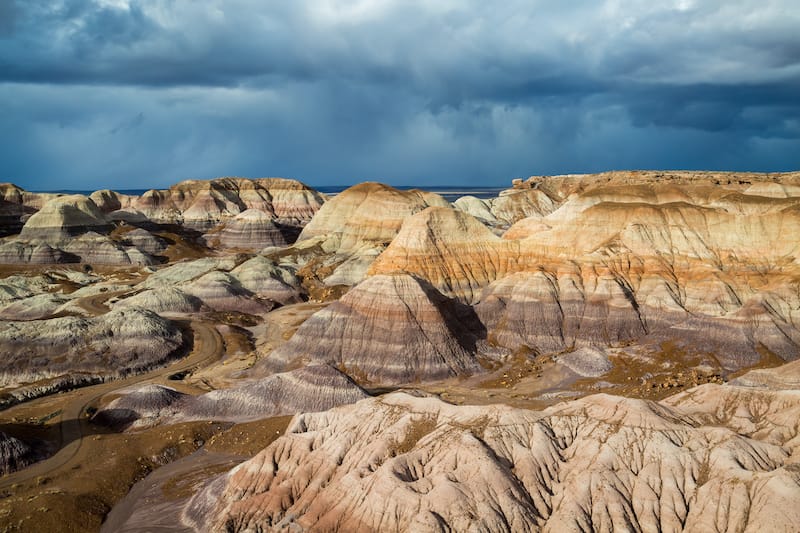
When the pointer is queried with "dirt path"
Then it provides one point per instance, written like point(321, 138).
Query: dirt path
point(208, 347)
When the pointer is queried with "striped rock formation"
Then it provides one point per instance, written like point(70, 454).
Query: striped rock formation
point(201, 204)
point(386, 330)
point(118, 343)
point(367, 212)
point(307, 389)
point(252, 229)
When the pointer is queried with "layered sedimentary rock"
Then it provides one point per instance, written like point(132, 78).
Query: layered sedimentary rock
point(33, 307)
point(184, 271)
point(269, 281)
point(356, 225)
point(16, 205)
point(69, 229)
point(602, 463)
point(311, 388)
point(162, 300)
point(65, 217)
point(252, 229)
point(202, 204)
point(509, 207)
point(449, 248)
point(223, 292)
point(388, 330)
point(117, 343)
point(367, 212)
point(144, 241)
point(708, 266)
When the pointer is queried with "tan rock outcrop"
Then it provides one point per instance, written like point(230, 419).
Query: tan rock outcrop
point(602, 463)
point(367, 212)
point(201, 204)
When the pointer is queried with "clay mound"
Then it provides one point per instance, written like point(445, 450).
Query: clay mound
point(312, 388)
point(14, 253)
point(783, 377)
point(140, 407)
point(451, 249)
point(118, 343)
point(64, 217)
point(251, 229)
point(145, 241)
point(388, 330)
point(602, 463)
point(477, 207)
point(269, 281)
point(223, 292)
point(92, 247)
point(163, 300)
point(14, 454)
point(366, 213)
point(108, 201)
point(185, 271)
point(33, 308)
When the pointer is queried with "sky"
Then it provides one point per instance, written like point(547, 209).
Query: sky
point(128, 94)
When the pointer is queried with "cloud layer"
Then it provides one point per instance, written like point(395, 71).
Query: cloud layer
point(125, 94)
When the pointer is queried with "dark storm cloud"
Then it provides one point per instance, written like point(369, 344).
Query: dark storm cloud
point(126, 93)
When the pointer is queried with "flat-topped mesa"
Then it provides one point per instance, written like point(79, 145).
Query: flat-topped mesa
point(386, 330)
point(251, 229)
point(201, 204)
point(601, 463)
point(666, 221)
point(451, 249)
point(366, 213)
point(561, 186)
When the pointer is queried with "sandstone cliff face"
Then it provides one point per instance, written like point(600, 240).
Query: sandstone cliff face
point(602, 463)
point(386, 330)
